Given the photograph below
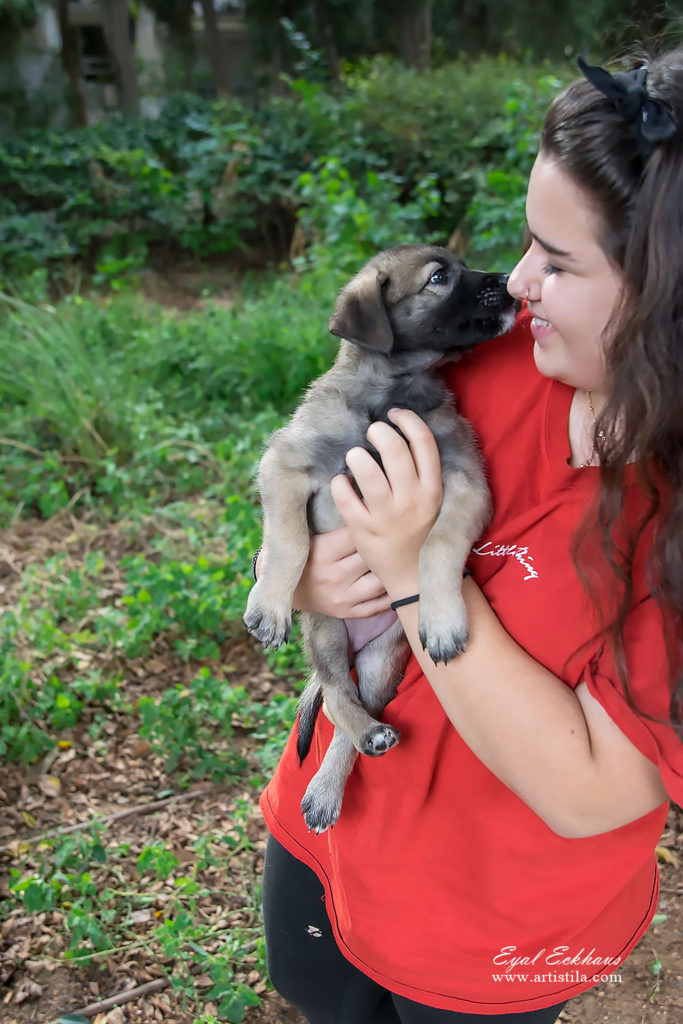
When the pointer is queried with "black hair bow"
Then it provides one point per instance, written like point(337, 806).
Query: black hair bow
point(653, 121)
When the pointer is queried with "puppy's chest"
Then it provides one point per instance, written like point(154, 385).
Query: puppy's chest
point(337, 428)
point(420, 392)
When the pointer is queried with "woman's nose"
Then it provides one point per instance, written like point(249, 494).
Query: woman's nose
point(517, 284)
point(522, 283)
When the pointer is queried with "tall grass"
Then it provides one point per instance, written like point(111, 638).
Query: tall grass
point(49, 374)
point(122, 398)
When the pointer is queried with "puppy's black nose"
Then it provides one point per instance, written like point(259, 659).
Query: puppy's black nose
point(493, 290)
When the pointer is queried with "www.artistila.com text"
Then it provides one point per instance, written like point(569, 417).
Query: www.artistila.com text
point(560, 978)
point(555, 966)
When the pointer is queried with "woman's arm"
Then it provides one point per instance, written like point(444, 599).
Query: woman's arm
point(556, 748)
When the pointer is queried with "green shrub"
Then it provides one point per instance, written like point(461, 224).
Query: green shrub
point(209, 177)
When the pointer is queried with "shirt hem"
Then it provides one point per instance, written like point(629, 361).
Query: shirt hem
point(441, 1000)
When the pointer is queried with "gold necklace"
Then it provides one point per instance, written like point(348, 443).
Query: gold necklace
point(601, 434)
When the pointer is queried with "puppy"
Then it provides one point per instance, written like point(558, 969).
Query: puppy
point(405, 313)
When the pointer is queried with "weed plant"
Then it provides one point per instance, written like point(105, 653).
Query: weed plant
point(153, 905)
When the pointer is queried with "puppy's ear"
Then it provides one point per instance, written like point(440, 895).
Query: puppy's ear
point(360, 315)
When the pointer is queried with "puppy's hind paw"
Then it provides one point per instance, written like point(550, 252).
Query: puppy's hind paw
point(378, 740)
point(321, 810)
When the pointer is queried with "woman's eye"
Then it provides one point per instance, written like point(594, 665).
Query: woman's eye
point(438, 277)
point(549, 268)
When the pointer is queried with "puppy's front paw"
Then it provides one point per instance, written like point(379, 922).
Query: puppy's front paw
point(270, 625)
point(444, 648)
point(321, 806)
point(378, 740)
point(443, 631)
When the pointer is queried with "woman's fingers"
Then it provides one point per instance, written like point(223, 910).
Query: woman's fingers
point(366, 588)
point(423, 447)
point(336, 580)
point(390, 506)
point(347, 572)
point(334, 546)
point(351, 507)
point(409, 463)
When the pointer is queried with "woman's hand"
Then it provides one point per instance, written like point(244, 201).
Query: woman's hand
point(336, 580)
point(399, 503)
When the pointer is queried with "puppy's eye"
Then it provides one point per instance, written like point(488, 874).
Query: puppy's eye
point(439, 276)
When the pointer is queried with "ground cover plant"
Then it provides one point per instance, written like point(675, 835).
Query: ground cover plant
point(138, 721)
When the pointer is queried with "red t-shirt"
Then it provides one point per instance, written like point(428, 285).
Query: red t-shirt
point(437, 877)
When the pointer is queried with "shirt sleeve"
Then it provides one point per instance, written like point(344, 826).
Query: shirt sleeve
point(645, 718)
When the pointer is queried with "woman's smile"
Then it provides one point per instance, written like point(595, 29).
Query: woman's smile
point(540, 329)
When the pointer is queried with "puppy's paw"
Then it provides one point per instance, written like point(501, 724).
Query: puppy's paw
point(321, 806)
point(378, 740)
point(271, 625)
point(444, 648)
point(443, 630)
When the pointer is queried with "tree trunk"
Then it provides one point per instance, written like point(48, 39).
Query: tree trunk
point(278, 87)
point(416, 34)
point(70, 63)
point(184, 41)
point(322, 17)
point(117, 34)
point(213, 45)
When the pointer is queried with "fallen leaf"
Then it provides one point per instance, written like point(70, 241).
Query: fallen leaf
point(28, 990)
point(18, 847)
point(49, 785)
point(141, 748)
point(140, 916)
point(666, 855)
point(155, 665)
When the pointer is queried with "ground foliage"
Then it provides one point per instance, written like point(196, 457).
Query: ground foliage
point(170, 890)
point(124, 867)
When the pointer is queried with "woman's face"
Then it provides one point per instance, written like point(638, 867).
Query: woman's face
point(572, 287)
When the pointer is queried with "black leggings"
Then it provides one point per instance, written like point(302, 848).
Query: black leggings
point(308, 970)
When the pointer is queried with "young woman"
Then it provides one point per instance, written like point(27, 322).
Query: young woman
point(500, 860)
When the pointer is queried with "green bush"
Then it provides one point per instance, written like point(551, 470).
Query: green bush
point(210, 177)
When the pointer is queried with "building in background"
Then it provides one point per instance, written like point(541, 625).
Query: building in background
point(33, 63)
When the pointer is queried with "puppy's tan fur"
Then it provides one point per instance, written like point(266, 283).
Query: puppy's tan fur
point(408, 309)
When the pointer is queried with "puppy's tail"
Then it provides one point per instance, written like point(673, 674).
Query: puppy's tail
point(309, 708)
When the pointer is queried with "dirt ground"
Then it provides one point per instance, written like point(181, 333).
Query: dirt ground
point(126, 780)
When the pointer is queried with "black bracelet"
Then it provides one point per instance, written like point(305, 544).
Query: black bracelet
point(416, 597)
point(254, 561)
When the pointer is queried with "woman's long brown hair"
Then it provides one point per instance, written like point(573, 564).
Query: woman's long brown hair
point(639, 207)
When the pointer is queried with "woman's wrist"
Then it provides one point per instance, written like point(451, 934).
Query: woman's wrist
point(414, 597)
point(404, 587)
